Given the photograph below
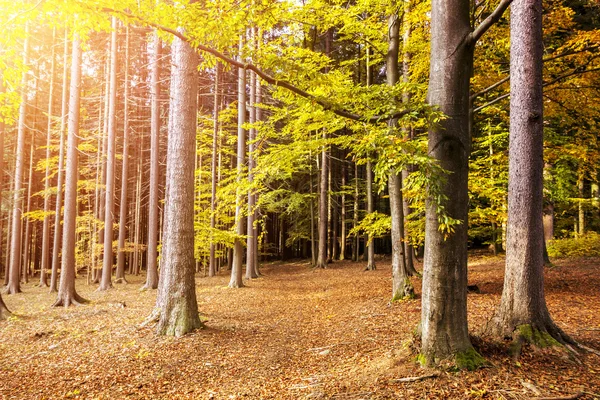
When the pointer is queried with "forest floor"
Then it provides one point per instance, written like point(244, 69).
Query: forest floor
point(295, 333)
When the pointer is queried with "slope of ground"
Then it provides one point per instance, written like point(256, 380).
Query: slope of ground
point(295, 333)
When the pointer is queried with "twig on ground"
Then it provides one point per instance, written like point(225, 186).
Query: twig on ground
point(571, 397)
point(415, 378)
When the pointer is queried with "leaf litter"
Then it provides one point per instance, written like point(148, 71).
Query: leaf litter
point(294, 333)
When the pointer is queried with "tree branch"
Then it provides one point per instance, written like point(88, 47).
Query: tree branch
point(263, 75)
point(489, 21)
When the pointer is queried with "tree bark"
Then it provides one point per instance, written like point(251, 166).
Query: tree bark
point(212, 270)
point(177, 295)
point(250, 229)
point(107, 265)
point(14, 285)
point(523, 312)
point(46, 223)
point(67, 294)
point(401, 285)
point(370, 209)
point(322, 253)
point(152, 250)
point(123, 206)
point(238, 251)
point(444, 305)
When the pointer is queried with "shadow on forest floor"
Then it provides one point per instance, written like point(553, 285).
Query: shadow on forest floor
point(294, 333)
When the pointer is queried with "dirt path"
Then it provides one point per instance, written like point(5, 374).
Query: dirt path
point(294, 333)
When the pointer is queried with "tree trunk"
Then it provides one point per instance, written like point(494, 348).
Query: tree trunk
point(581, 210)
point(323, 184)
point(15, 245)
point(370, 210)
point(343, 213)
point(46, 223)
point(444, 305)
point(401, 285)
point(66, 292)
point(238, 251)
point(109, 205)
point(25, 269)
point(250, 230)
point(177, 294)
point(152, 250)
point(523, 312)
point(120, 273)
point(213, 185)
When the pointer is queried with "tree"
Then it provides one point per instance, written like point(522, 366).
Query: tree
point(523, 312)
point(105, 282)
point(60, 172)
point(152, 269)
point(178, 308)
point(444, 331)
point(67, 295)
point(238, 252)
point(15, 243)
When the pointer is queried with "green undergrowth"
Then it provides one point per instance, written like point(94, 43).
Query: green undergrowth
point(587, 245)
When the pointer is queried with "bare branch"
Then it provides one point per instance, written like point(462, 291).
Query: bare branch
point(489, 21)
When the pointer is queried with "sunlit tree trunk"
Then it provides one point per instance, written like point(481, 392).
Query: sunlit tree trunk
point(66, 292)
point(238, 251)
point(177, 294)
point(523, 312)
point(123, 207)
point(370, 210)
point(153, 217)
point(25, 268)
point(213, 185)
point(107, 265)
point(250, 231)
point(15, 245)
point(46, 223)
point(323, 185)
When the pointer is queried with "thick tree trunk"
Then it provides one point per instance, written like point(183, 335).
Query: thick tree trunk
point(123, 207)
point(238, 248)
point(523, 312)
point(444, 305)
point(152, 250)
point(66, 292)
point(109, 205)
point(177, 295)
point(14, 285)
point(46, 223)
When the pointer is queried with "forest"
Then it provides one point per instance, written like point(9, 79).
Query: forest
point(345, 199)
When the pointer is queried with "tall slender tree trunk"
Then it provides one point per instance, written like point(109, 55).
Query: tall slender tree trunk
point(212, 270)
point(66, 292)
point(343, 212)
point(25, 269)
point(250, 229)
point(523, 312)
point(401, 285)
point(370, 210)
point(238, 251)
point(153, 217)
point(4, 312)
point(107, 265)
point(177, 294)
point(123, 207)
point(323, 184)
point(356, 242)
point(46, 223)
point(15, 245)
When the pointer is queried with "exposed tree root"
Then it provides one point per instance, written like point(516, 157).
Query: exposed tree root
point(70, 300)
point(416, 378)
point(405, 291)
point(4, 312)
point(121, 281)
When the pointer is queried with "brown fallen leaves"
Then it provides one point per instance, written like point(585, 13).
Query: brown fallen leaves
point(295, 333)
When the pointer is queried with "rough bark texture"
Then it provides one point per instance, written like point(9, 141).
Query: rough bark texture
point(152, 268)
point(523, 308)
point(60, 172)
point(444, 303)
point(107, 264)
point(238, 248)
point(15, 243)
point(66, 292)
point(177, 302)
